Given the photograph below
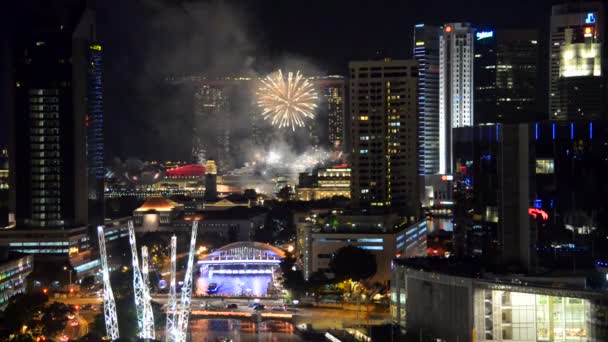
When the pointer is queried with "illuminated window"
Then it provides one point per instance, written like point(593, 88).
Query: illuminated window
point(364, 118)
point(545, 166)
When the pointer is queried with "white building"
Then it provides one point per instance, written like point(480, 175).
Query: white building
point(455, 86)
point(319, 235)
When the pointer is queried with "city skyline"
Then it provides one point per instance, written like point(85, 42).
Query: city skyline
point(137, 61)
point(387, 170)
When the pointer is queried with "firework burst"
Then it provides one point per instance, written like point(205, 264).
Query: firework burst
point(287, 102)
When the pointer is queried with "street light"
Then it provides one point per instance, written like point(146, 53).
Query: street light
point(65, 268)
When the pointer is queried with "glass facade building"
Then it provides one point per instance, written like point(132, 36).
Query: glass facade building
point(462, 305)
point(577, 87)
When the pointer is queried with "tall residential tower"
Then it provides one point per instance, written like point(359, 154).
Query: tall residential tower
point(383, 108)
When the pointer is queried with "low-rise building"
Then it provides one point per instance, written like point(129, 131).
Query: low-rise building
point(456, 300)
point(324, 183)
point(319, 235)
point(13, 273)
point(157, 210)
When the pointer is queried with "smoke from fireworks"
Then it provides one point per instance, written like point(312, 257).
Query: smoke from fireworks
point(287, 102)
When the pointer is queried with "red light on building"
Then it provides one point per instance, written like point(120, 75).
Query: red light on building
point(187, 171)
point(341, 166)
point(448, 29)
point(77, 307)
point(535, 212)
point(587, 30)
point(71, 290)
point(45, 291)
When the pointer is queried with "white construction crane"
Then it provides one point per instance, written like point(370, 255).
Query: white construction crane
point(109, 305)
point(170, 332)
point(184, 312)
point(148, 326)
point(138, 285)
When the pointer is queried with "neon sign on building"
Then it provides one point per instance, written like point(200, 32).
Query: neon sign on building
point(484, 34)
point(535, 212)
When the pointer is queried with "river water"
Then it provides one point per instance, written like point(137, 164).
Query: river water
point(211, 330)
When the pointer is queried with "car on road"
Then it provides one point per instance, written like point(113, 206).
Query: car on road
point(259, 307)
point(232, 306)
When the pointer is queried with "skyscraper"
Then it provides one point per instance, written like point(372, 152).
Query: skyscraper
point(577, 86)
point(56, 136)
point(327, 130)
point(383, 108)
point(56, 146)
point(455, 86)
point(94, 137)
point(506, 78)
point(426, 52)
point(211, 131)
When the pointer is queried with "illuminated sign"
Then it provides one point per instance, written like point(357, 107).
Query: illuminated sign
point(484, 34)
point(96, 47)
point(590, 18)
point(419, 43)
point(535, 212)
point(447, 177)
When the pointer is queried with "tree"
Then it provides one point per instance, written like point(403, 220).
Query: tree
point(21, 310)
point(293, 280)
point(54, 317)
point(285, 193)
point(350, 262)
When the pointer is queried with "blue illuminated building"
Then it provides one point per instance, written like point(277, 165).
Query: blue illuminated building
point(426, 52)
point(569, 162)
point(94, 124)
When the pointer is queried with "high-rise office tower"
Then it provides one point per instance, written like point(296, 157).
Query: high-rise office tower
point(211, 131)
point(56, 145)
point(94, 124)
point(455, 86)
point(577, 82)
point(327, 130)
point(56, 136)
point(426, 52)
point(506, 75)
point(383, 108)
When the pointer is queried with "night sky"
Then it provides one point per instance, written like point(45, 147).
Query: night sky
point(145, 41)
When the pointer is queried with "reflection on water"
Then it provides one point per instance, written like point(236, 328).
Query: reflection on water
point(234, 285)
point(212, 329)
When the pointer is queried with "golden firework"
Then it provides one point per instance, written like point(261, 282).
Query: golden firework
point(287, 101)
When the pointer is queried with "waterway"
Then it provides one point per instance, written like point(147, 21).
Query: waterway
point(212, 330)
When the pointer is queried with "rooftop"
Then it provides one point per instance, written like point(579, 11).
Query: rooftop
point(158, 204)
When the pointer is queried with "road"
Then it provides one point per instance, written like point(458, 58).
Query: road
point(322, 316)
point(76, 327)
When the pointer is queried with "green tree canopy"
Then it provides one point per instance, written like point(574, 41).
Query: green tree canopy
point(350, 262)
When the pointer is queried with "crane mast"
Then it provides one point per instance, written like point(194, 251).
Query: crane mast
point(186, 296)
point(148, 317)
point(109, 305)
point(138, 285)
point(172, 300)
